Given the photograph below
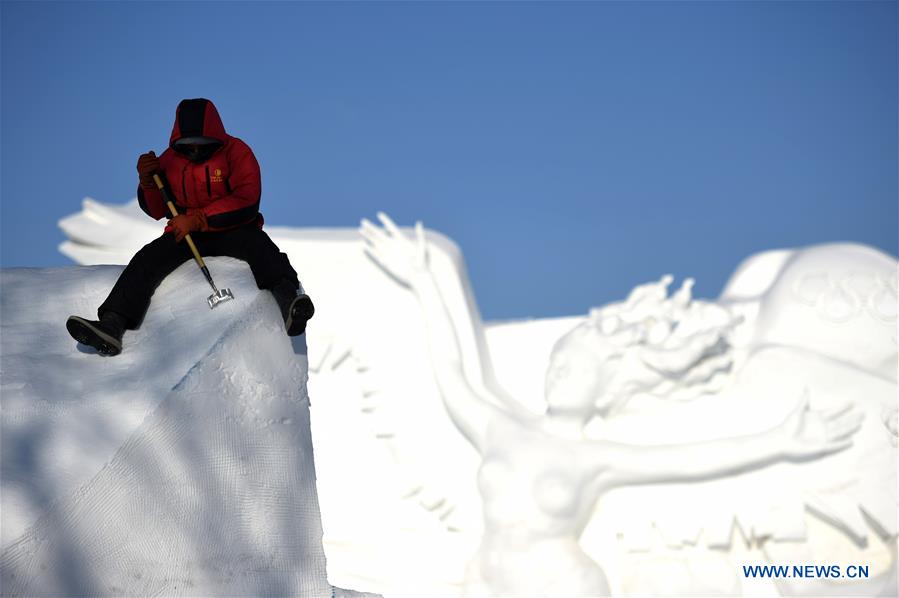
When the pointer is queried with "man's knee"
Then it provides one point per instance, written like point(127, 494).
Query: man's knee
point(270, 265)
point(161, 245)
point(258, 244)
point(162, 254)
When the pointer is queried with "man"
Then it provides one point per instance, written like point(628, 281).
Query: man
point(215, 182)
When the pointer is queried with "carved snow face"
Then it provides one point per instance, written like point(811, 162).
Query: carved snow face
point(575, 380)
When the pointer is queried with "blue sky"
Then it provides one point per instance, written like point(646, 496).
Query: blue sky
point(573, 150)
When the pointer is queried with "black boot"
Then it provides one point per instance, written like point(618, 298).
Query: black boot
point(296, 309)
point(104, 335)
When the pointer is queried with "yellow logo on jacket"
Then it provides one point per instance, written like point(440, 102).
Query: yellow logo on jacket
point(217, 176)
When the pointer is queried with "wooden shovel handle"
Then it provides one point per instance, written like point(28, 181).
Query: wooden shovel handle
point(174, 211)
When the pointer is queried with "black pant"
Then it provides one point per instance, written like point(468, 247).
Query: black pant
point(130, 297)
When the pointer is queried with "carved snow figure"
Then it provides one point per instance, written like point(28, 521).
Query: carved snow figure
point(540, 478)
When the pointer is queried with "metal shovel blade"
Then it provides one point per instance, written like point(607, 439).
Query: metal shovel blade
point(220, 297)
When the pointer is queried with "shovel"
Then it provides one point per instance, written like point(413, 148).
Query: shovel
point(218, 296)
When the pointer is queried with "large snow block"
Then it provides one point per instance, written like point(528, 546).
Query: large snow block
point(183, 466)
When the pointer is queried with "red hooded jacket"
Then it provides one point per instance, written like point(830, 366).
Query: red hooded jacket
point(226, 186)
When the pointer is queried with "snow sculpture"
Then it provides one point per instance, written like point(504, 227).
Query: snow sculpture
point(379, 423)
point(540, 477)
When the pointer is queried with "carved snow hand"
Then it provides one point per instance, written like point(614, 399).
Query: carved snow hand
point(400, 256)
point(806, 433)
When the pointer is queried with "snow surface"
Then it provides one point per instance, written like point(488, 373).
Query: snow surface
point(183, 466)
point(390, 464)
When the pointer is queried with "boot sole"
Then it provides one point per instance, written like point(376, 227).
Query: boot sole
point(87, 334)
point(301, 309)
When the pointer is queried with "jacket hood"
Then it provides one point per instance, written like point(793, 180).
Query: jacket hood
point(197, 121)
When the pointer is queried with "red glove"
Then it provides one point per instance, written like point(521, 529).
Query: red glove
point(183, 224)
point(147, 165)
